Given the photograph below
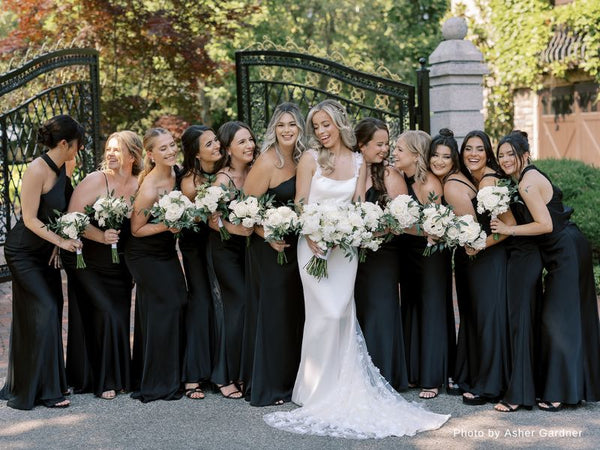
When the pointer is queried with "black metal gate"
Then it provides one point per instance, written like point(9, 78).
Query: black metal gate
point(265, 78)
point(60, 82)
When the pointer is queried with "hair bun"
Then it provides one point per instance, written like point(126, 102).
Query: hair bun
point(446, 132)
point(521, 133)
point(43, 135)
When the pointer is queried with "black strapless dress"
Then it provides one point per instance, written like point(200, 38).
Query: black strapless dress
point(427, 310)
point(161, 297)
point(199, 326)
point(377, 298)
point(36, 369)
point(274, 316)
point(568, 367)
point(483, 359)
point(227, 266)
point(98, 348)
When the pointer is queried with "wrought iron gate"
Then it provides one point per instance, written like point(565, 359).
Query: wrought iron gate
point(59, 82)
point(266, 78)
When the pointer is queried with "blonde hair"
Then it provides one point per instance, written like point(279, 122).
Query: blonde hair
point(339, 117)
point(149, 139)
point(130, 141)
point(270, 139)
point(417, 142)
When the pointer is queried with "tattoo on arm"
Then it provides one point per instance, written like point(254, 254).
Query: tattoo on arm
point(527, 188)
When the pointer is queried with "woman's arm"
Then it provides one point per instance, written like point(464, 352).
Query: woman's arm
point(361, 184)
point(86, 193)
point(394, 183)
point(306, 169)
point(144, 200)
point(31, 190)
point(223, 179)
point(531, 189)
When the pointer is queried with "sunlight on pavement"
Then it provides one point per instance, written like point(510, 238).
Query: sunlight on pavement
point(30, 425)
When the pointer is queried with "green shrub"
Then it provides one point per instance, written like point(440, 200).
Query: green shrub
point(580, 185)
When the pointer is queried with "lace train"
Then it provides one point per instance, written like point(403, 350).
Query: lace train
point(362, 406)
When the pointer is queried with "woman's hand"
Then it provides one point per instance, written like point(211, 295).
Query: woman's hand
point(111, 236)
point(470, 251)
point(55, 259)
point(239, 229)
point(71, 245)
point(314, 247)
point(279, 246)
point(174, 230)
point(499, 227)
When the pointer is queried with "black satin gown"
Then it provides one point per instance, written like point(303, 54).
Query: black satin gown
point(227, 266)
point(199, 322)
point(427, 310)
point(377, 298)
point(568, 366)
point(159, 337)
point(274, 316)
point(98, 348)
point(36, 370)
point(483, 359)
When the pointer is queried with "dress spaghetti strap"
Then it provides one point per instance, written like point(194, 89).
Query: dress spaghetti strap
point(106, 181)
point(462, 182)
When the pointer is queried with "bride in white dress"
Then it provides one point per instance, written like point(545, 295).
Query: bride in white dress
point(340, 391)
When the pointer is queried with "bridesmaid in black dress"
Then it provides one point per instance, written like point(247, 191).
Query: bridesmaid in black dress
point(482, 364)
point(227, 264)
point(202, 156)
point(427, 311)
point(569, 362)
point(161, 293)
point(376, 291)
point(36, 370)
point(101, 293)
point(274, 302)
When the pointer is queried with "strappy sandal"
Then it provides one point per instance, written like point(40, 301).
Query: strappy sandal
point(189, 393)
point(108, 395)
point(60, 404)
point(233, 395)
point(510, 408)
point(548, 406)
point(424, 392)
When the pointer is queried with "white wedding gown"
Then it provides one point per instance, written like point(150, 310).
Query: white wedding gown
point(340, 391)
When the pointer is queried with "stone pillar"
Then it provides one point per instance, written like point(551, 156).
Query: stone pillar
point(456, 82)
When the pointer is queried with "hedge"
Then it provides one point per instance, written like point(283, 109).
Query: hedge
point(580, 185)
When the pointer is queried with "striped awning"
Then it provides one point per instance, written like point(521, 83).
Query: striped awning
point(564, 45)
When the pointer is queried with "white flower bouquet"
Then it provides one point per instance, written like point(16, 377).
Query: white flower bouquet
point(212, 199)
point(470, 232)
point(328, 225)
point(109, 212)
point(401, 213)
point(278, 223)
point(371, 216)
point(246, 210)
point(494, 200)
point(71, 226)
point(438, 222)
point(174, 210)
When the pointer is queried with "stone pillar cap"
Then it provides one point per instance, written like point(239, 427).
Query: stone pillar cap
point(455, 28)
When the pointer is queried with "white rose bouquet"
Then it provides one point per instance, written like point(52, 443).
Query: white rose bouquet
point(495, 200)
point(175, 210)
point(278, 223)
point(328, 225)
point(401, 213)
point(438, 221)
point(246, 210)
point(109, 212)
point(71, 226)
point(212, 199)
point(371, 216)
point(470, 232)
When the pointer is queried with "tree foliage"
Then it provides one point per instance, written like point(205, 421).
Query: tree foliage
point(512, 34)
